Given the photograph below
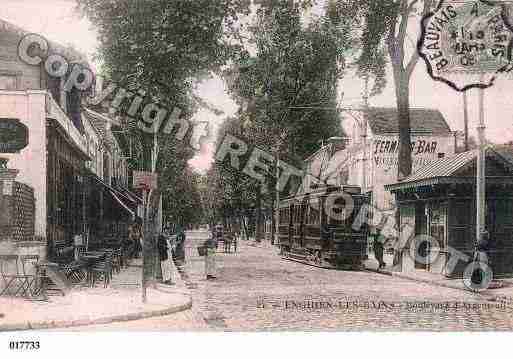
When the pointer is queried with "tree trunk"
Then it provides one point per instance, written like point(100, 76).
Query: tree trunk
point(404, 165)
point(258, 224)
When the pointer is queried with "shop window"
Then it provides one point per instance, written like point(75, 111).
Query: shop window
point(313, 214)
point(284, 216)
point(462, 213)
point(106, 172)
point(438, 217)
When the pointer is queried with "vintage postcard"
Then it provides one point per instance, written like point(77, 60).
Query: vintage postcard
point(250, 166)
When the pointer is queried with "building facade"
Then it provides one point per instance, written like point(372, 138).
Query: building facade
point(368, 156)
point(439, 202)
point(73, 162)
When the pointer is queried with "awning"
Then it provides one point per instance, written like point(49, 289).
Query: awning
point(123, 194)
point(132, 196)
point(119, 199)
point(121, 203)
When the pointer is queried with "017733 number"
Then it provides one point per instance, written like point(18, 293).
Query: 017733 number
point(24, 345)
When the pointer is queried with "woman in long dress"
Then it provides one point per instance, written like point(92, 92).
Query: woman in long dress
point(164, 259)
point(210, 258)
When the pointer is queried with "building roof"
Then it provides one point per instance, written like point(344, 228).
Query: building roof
point(384, 120)
point(443, 167)
point(69, 53)
point(441, 170)
point(505, 151)
point(340, 160)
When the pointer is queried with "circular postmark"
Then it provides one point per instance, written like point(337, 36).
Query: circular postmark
point(466, 44)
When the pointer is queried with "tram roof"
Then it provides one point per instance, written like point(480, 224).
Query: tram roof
point(326, 190)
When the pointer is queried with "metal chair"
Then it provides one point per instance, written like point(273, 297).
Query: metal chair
point(103, 268)
point(10, 280)
point(32, 282)
point(227, 242)
point(117, 260)
point(73, 267)
point(17, 282)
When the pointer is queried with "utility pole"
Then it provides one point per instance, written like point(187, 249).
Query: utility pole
point(364, 135)
point(144, 282)
point(258, 227)
point(481, 175)
point(465, 119)
point(277, 199)
point(157, 224)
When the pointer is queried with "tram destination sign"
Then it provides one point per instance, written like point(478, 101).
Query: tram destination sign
point(465, 44)
point(13, 135)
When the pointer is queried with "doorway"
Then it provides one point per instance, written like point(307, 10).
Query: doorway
point(421, 228)
point(430, 220)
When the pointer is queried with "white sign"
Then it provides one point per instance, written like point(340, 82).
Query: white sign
point(7, 188)
point(145, 180)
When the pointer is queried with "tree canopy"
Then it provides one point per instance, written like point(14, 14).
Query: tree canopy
point(163, 48)
point(384, 36)
point(286, 87)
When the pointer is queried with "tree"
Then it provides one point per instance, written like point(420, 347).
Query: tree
point(231, 193)
point(472, 142)
point(162, 48)
point(182, 202)
point(384, 28)
point(286, 90)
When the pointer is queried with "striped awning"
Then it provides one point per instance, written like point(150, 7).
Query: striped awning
point(123, 205)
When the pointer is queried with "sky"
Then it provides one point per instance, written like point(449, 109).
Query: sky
point(57, 21)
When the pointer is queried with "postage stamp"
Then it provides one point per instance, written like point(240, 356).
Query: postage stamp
point(473, 38)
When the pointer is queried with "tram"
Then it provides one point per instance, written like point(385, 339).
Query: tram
point(317, 228)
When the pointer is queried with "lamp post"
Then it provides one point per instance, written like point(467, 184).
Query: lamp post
point(481, 173)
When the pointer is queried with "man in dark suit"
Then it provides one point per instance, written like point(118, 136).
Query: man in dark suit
point(378, 248)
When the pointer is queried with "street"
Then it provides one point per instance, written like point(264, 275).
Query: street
point(257, 290)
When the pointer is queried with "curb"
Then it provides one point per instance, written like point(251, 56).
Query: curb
point(55, 324)
point(489, 298)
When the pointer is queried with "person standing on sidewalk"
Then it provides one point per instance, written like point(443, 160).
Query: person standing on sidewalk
point(164, 259)
point(179, 250)
point(218, 234)
point(210, 258)
point(378, 249)
point(135, 239)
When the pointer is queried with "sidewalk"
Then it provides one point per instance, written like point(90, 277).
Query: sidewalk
point(121, 301)
point(422, 276)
